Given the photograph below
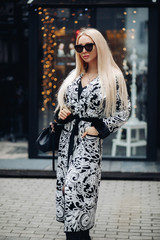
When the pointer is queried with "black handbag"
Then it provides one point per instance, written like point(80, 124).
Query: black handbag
point(48, 140)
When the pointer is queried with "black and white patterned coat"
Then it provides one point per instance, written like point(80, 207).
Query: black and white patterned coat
point(76, 207)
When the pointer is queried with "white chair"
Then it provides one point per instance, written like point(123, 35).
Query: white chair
point(130, 142)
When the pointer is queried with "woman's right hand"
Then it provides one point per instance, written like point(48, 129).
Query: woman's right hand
point(64, 113)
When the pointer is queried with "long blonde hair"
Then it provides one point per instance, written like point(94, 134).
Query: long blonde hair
point(108, 72)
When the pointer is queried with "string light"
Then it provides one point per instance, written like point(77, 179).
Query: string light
point(49, 43)
point(133, 31)
point(123, 35)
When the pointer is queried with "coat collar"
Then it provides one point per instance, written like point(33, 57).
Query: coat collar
point(88, 88)
point(73, 89)
point(73, 92)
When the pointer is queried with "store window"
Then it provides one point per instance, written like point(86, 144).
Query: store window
point(126, 30)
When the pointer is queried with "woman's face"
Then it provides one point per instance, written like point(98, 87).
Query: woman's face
point(87, 56)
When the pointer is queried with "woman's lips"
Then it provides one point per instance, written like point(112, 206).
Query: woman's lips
point(86, 56)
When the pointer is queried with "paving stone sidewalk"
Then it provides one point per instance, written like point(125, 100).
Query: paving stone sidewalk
point(126, 210)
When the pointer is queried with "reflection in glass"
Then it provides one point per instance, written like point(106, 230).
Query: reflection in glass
point(133, 135)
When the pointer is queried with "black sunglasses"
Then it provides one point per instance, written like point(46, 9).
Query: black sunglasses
point(88, 47)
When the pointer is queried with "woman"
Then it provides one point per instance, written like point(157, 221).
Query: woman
point(92, 103)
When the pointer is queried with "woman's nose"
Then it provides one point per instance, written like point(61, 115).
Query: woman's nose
point(84, 50)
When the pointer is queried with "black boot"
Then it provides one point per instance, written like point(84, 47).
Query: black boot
point(85, 235)
point(73, 235)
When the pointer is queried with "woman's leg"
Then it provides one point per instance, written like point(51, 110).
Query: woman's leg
point(85, 235)
point(73, 235)
point(82, 235)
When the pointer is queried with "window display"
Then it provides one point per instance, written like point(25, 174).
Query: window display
point(126, 30)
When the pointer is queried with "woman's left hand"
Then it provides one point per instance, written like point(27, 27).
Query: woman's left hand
point(90, 131)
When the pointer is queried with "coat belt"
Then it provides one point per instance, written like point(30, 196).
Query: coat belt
point(75, 133)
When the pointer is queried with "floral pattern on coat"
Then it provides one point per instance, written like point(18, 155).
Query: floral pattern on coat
point(76, 206)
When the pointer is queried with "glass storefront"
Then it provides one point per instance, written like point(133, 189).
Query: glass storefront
point(126, 31)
